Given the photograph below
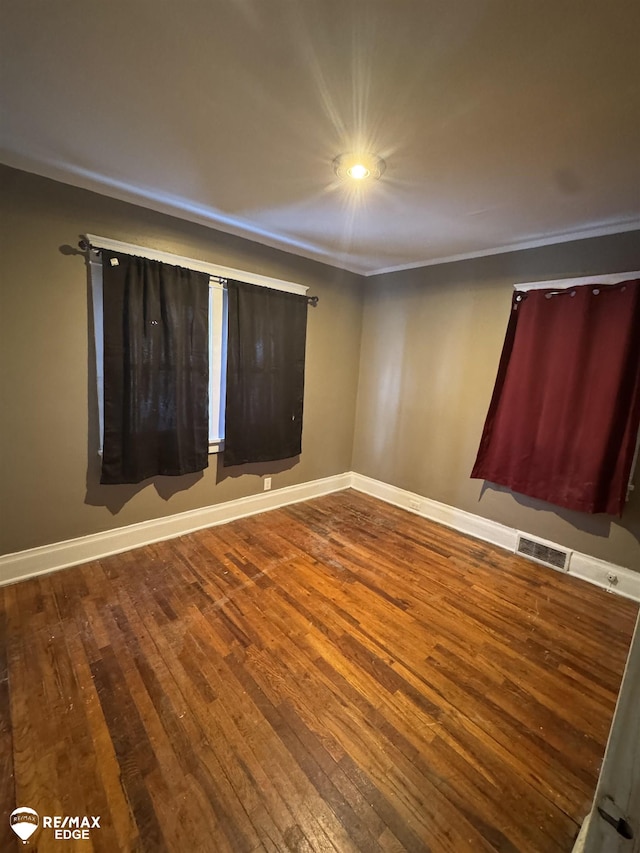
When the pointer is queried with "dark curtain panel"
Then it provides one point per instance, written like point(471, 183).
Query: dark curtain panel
point(265, 374)
point(564, 416)
point(156, 369)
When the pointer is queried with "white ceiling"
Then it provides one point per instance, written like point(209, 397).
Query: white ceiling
point(504, 123)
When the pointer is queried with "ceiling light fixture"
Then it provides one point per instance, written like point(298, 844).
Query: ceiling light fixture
point(359, 167)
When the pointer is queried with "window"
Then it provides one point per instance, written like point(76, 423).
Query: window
point(218, 362)
point(217, 323)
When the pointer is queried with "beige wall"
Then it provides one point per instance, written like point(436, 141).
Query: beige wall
point(50, 489)
point(427, 359)
point(431, 341)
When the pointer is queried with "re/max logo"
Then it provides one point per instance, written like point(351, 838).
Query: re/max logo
point(25, 821)
point(69, 827)
point(76, 822)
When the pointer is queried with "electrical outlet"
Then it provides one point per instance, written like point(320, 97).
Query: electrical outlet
point(267, 484)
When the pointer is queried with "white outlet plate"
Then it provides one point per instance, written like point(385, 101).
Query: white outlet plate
point(267, 484)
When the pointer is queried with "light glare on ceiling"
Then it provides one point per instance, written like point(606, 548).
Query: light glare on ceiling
point(358, 166)
point(358, 172)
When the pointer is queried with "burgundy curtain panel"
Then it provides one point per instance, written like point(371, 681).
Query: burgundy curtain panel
point(563, 420)
point(156, 369)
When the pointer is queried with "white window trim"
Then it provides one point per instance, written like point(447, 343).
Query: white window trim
point(214, 270)
point(95, 268)
point(561, 283)
point(217, 321)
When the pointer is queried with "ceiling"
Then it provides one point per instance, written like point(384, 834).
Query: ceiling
point(503, 124)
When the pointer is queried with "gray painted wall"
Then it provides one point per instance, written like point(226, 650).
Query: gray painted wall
point(431, 342)
point(48, 438)
point(417, 350)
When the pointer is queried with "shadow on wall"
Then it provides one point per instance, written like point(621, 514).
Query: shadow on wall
point(114, 498)
point(259, 469)
point(598, 524)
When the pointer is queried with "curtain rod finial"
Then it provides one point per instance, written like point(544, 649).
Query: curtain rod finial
point(312, 300)
point(86, 246)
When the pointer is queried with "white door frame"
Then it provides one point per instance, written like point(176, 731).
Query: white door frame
point(620, 775)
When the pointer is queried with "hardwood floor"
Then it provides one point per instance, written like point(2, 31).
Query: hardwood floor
point(338, 675)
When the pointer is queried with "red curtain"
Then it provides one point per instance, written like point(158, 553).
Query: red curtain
point(564, 416)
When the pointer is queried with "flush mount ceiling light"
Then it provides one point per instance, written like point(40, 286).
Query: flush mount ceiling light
point(359, 167)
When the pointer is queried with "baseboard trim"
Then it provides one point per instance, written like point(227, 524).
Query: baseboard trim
point(60, 555)
point(583, 566)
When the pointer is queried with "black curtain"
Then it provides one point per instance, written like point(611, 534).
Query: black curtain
point(265, 374)
point(156, 369)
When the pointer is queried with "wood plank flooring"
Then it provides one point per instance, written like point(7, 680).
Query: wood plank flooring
point(335, 676)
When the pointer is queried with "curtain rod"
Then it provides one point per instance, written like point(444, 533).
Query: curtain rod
point(86, 245)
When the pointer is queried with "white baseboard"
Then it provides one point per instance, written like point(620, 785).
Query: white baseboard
point(61, 555)
point(588, 568)
point(458, 519)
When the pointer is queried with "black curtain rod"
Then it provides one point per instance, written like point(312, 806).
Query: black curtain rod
point(86, 246)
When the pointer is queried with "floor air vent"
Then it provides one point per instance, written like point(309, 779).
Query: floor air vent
point(543, 552)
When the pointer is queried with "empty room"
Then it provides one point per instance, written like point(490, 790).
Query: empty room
point(320, 411)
